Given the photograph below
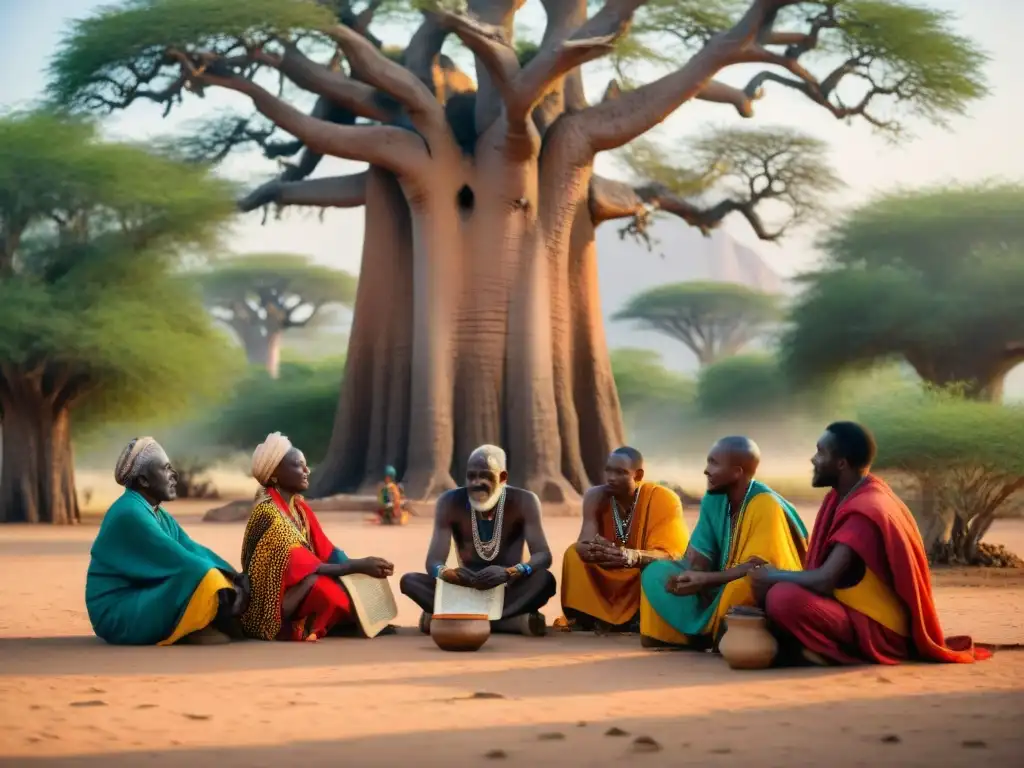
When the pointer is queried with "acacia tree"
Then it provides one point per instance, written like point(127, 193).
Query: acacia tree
point(262, 296)
point(933, 277)
point(966, 460)
point(713, 320)
point(94, 324)
point(481, 204)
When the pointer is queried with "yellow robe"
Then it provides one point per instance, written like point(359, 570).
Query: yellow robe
point(613, 596)
point(764, 530)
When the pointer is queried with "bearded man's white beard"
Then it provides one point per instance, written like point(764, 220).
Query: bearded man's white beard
point(489, 503)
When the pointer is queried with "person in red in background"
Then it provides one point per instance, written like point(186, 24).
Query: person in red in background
point(294, 568)
point(865, 595)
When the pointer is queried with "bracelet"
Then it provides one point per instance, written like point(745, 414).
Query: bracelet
point(439, 569)
point(632, 557)
point(524, 569)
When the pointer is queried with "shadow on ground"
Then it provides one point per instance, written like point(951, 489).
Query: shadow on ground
point(605, 664)
point(949, 730)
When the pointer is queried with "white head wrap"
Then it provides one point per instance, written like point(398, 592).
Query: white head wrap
point(133, 459)
point(268, 455)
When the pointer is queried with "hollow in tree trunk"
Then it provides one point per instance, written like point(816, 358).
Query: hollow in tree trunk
point(37, 474)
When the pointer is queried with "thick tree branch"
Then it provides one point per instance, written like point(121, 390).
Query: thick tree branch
point(564, 18)
point(492, 50)
point(362, 99)
point(614, 123)
point(373, 67)
point(720, 93)
point(395, 149)
point(594, 39)
point(423, 48)
point(326, 192)
point(610, 199)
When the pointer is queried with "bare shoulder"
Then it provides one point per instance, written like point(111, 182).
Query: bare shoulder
point(594, 497)
point(449, 501)
point(522, 499)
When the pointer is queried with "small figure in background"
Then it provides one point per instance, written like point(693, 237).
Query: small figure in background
point(390, 504)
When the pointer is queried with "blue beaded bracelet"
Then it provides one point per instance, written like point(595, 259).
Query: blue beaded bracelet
point(524, 569)
point(438, 570)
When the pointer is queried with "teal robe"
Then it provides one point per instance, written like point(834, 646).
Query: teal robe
point(143, 570)
point(712, 537)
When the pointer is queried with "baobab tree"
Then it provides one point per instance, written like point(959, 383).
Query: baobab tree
point(264, 295)
point(713, 320)
point(481, 203)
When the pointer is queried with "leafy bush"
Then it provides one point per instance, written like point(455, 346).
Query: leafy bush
point(742, 384)
point(300, 403)
point(966, 458)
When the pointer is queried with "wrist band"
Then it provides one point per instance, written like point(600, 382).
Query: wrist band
point(438, 570)
point(524, 569)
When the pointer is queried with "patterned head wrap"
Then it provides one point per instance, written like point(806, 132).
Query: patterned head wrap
point(268, 455)
point(133, 459)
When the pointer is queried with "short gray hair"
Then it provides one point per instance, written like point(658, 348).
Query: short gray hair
point(491, 455)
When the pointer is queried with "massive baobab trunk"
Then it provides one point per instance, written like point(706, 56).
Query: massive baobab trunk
point(37, 474)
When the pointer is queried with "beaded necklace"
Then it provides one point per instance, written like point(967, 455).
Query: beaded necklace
point(488, 550)
point(624, 523)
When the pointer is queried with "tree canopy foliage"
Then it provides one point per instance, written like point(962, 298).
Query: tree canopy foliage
point(934, 277)
point(713, 319)
point(92, 232)
point(93, 320)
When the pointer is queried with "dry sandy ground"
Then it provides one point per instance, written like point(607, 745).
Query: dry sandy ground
point(67, 699)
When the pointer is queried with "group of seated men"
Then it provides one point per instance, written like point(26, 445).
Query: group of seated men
point(857, 591)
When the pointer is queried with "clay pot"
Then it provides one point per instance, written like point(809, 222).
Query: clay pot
point(747, 643)
point(460, 631)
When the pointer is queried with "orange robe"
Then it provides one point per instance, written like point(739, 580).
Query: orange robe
point(613, 596)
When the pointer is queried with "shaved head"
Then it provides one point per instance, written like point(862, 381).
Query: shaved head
point(743, 451)
point(636, 459)
point(732, 462)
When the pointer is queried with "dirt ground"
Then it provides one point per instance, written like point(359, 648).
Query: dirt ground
point(68, 699)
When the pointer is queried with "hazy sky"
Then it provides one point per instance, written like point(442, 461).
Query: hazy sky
point(986, 144)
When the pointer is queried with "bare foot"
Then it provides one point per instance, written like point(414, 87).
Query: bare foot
point(312, 638)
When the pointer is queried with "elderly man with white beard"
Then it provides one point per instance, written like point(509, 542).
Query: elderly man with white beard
point(490, 522)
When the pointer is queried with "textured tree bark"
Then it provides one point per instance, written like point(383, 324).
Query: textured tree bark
point(594, 391)
point(374, 402)
point(37, 473)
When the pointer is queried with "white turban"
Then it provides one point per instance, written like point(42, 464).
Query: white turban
point(133, 459)
point(268, 455)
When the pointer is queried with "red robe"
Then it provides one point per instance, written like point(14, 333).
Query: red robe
point(879, 528)
point(327, 604)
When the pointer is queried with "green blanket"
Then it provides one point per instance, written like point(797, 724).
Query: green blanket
point(142, 573)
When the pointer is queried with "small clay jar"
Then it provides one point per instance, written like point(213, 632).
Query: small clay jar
point(460, 631)
point(747, 643)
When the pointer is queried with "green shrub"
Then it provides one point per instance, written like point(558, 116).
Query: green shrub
point(966, 458)
point(744, 384)
point(300, 403)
